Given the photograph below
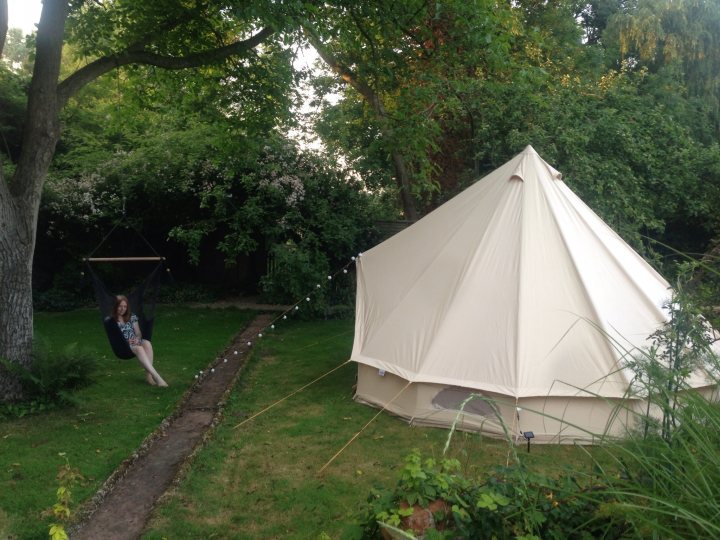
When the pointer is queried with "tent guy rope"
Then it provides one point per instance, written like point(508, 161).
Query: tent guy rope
point(290, 395)
point(363, 428)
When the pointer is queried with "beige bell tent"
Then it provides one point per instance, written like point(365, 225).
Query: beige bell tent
point(515, 291)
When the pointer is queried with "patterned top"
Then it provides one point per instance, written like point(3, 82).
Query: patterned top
point(128, 329)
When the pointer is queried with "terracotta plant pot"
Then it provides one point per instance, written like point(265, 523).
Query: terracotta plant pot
point(423, 518)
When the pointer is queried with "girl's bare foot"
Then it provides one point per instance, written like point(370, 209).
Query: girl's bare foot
point(150, 380)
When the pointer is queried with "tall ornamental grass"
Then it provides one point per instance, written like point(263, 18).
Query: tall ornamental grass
point(666, 475)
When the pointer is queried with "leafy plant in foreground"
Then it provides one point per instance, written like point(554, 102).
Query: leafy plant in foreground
point(66, 477)
point(510, 502)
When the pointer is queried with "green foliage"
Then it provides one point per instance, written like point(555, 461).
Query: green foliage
point(184, 293)
point(60, 289)
point(52, 379)
point(202, 172)
point(422, 481)
point(59, 299)
point(673, 35)
point(679, 350)
point(308, 214)
point(510, 502)
point(636, 143)
point(67, 477)
point(670, 490)
point(12, 110)
point(408, 54)
point(620, 147)
point(293, 271)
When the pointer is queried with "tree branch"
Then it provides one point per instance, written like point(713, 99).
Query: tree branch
point(135, 55)
point(343, 71)
point(411, 36)
point(361, 29)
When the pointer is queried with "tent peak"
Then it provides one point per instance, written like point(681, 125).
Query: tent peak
point(529, 152)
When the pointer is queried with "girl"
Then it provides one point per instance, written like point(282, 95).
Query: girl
point(141, 348)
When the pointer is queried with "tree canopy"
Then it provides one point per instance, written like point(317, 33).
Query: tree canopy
point(177, 115)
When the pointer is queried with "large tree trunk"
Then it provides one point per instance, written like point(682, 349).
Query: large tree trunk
point(403, 180)
point(20, 197)
point(16, 324)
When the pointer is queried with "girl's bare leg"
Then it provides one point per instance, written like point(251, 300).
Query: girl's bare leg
point(148, 350)
point(147, 347)
point(147, 365)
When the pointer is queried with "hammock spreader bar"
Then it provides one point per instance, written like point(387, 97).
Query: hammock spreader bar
point(123, 259)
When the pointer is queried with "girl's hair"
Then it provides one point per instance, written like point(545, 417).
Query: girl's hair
point(120, 298)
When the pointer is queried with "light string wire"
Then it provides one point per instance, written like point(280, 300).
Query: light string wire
point(296, 306)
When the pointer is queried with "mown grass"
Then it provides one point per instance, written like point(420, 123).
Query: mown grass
point(113, 416)
point(262, 479)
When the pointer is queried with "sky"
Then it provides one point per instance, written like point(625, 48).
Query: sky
point(24, 14)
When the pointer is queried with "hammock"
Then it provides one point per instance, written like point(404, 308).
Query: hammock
point(142, 301)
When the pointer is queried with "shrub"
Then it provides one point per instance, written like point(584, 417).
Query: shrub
point(55, 300)
point(509, 503)
point(65, 291)
point(51, 378)
point(182, 293)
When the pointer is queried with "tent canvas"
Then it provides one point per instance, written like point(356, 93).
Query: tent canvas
point(514, 290)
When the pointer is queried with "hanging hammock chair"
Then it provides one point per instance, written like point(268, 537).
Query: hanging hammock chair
point(142, 299)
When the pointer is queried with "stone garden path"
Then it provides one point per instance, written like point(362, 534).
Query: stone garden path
point(122, 507)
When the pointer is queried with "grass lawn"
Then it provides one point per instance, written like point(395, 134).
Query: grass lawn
point(261, 480)
point(114, 415)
